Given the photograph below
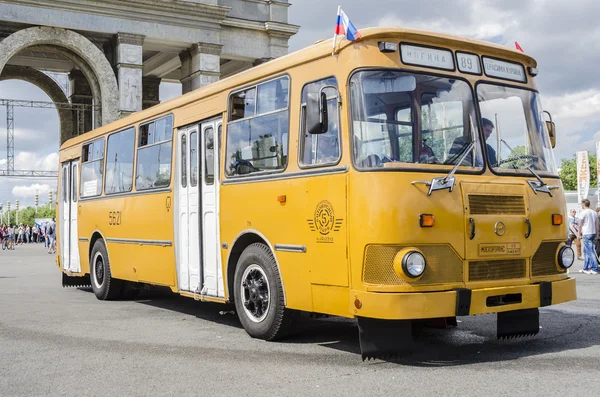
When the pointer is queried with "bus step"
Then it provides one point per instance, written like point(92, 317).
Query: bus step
point(518, 323)
point(71, 281)
point(381, 339)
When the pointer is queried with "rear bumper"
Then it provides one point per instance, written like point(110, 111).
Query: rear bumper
point(405, 306)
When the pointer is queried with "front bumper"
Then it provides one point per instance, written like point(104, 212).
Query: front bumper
point(406, 306)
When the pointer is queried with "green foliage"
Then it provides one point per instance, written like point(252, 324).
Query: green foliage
point(568, 172)
point(27, 215)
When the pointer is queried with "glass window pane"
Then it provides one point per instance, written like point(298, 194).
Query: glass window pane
point(209, 156)
point(385, 105)
point(65, 185)
point(119, 162)
point(259, 144)
point(516, 136)
point(183, 161)
point(98, 149)
point(153, 166)
point(441, 124)
point(164, 129)
point(273, 95)
point(322, 148)
point(193, 159)
point(243, 104)
point(74, 182)
point(91, 179)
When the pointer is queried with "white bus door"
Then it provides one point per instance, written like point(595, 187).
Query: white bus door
point(69, 238)
point(188, 203)
point(211, 260)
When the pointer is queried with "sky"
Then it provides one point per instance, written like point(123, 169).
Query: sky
point(563, 36)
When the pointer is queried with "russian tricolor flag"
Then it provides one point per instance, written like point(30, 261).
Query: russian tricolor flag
point(345, 27)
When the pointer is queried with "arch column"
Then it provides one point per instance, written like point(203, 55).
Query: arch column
point(49, 86)
point(80, 46)
point(200, 66)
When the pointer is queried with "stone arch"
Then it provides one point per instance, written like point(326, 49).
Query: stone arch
point(49, 86)
point(77, 44)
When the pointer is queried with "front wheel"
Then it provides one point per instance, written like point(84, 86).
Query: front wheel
point(105, 287)
point(259, 298)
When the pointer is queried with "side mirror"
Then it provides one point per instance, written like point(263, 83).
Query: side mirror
point(316, 113)
point(551, 129)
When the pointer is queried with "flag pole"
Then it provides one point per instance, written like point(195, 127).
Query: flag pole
point(335, 31)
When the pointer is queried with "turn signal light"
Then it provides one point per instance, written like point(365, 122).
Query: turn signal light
point(557, 219)
point(282, 199)
point(426, 220)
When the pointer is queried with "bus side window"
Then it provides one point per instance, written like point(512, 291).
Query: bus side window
point(321, 149)
point(154, 154)
point(92, 167)
point(258, 130)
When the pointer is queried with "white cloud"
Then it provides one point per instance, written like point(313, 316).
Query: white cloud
point(33, 161)
point(31, 190)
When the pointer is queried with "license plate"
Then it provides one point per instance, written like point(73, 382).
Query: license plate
point(499, 249)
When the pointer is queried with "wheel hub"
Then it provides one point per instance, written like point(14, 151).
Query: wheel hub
point(255, 291)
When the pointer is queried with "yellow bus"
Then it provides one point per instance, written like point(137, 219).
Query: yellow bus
point(407, 176)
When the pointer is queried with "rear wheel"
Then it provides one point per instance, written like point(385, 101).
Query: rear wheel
point(259, 298)
point(105, 287)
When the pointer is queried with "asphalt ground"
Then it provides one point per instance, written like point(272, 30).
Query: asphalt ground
point(58, 341)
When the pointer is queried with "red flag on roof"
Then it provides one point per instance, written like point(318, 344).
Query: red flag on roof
point(518, 47)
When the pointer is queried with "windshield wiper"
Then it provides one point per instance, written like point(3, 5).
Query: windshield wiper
point(447, 182)
point(537, 186)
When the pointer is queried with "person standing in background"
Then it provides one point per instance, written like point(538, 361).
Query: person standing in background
point(573, 224)
point(588, 228)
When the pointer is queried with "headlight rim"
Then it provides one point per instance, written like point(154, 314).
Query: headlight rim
point(405, 264)
point(559, 257)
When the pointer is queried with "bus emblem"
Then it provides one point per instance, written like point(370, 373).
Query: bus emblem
point(500, 228)
point(324, 220)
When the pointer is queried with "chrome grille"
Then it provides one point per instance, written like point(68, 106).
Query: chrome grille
point(443, 265)
point(543, 262)
point(497, 270)
point(496, 205)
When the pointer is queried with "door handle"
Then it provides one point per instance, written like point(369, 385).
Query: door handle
point(528, 224)
point(472, 233)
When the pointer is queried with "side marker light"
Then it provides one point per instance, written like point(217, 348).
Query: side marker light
point(426, 220)
point(557, 219)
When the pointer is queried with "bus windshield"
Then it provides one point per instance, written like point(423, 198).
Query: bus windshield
point(402, 119)
point(515, 131)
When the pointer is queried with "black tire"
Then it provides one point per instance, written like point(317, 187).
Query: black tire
point(105, 287)
point(274, 321)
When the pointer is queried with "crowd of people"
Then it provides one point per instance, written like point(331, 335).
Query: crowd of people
point(13, 235)
point(583, 230)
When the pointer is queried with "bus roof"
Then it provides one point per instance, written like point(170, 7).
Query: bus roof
point(315, 51)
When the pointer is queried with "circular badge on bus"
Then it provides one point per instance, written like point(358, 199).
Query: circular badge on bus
point(324, 217)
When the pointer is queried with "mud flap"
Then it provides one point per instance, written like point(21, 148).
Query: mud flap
point(518, 323)
point(71, 281)
point(384, 338)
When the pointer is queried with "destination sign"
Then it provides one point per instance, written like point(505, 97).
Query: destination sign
point(504, 69)
point(468, 63)
point(424, 56)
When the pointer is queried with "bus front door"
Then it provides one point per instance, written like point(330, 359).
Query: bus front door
point(188, 251)
point(69, 239)
point(210, 237)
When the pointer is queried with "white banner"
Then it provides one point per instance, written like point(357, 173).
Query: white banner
point(598, 171)
point(583, 175)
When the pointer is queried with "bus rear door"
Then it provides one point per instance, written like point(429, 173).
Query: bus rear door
point(69, 239)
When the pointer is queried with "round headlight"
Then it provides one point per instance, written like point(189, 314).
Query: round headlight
point(413, 264)
point(566, 257)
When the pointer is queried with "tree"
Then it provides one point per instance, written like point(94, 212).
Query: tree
point(27, 215)
point(568, 172)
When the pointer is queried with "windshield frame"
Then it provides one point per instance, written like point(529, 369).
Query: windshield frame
point(406, 167)
point(519, 172)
